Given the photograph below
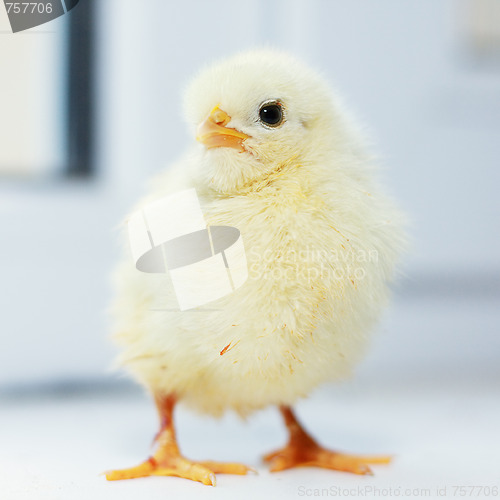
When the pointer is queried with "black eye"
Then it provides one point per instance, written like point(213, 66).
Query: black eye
point(271, 113)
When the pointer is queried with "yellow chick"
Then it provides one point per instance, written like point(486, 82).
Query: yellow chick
point(278, 159)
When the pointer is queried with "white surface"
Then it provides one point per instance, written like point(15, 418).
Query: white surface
point(428, 393)
point(440, 435)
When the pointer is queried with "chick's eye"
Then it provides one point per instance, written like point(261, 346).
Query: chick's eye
point(271, 114)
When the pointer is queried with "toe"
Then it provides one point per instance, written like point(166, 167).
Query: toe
point(193, 471)
point(341, 462)
point(377, 459)
point(143, 470)
point(227, 468)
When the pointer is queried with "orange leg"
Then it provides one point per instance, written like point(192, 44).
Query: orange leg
point(302, 450)
point(167, 460)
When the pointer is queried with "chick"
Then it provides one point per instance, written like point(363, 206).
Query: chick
point(278, 158)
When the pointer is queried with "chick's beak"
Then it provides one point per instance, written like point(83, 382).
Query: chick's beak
point(213, 133)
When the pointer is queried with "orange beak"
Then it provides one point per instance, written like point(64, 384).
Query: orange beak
point(213, 132)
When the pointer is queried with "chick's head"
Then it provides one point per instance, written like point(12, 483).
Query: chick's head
point(257, 111)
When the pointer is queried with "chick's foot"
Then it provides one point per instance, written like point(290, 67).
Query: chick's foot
point(178, 466)
point(302, 450)
point(167, 461)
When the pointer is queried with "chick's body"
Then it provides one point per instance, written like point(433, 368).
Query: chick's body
point(320, 241)
point(315, 286)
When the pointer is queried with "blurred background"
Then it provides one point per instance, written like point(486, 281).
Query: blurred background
point(90, 107)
